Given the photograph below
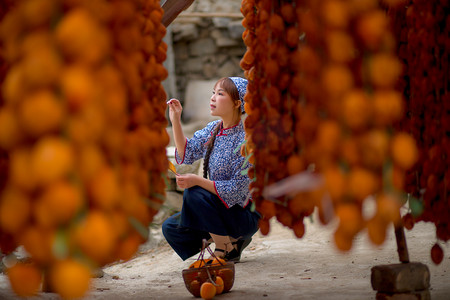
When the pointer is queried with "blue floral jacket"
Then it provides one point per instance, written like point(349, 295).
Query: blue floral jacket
point(225, 163)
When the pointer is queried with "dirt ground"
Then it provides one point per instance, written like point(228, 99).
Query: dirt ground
point(277, 266)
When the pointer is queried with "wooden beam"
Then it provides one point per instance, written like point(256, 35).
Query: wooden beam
point(210, 15)
point(172, 8)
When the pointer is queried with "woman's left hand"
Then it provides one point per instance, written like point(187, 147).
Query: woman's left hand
point(186, 181)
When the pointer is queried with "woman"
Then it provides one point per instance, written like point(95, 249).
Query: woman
point(216, 208)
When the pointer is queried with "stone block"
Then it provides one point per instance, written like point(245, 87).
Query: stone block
point(203, 6)
point(236, 29)
point(202, 47)
point(229, 68)
point(181, 52)
point(226, 42)
point(237, 51)
point(196, 103)
point(226, 6)
point(174, 200)
point(400, 278)
point(216, 34)
point(220, 22)
point(194, 64)
point(221, 58)
point(418, 295)
point(184, 32)
point(209, 70)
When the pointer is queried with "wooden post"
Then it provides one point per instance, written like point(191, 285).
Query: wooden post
point(402, 248)
point(172, 8)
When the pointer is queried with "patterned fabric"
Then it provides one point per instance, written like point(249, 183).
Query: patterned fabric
point(225, 164)
point(241, 85)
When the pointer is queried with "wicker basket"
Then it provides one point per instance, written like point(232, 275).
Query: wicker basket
point(194, 277)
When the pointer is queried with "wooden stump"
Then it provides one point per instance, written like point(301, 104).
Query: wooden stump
point(404, 281)
point(400, 278)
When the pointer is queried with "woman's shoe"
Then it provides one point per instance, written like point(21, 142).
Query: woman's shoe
point(219, 250)
point(235, 254)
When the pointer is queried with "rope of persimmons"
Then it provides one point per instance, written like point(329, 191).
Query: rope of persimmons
point(323, 99)
point(83, 129)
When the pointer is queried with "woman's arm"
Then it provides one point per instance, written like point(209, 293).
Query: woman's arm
point(175, 110)
point(179, 138)
point(189, 180)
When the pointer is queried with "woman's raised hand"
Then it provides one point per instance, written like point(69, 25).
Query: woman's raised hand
point(175, 110)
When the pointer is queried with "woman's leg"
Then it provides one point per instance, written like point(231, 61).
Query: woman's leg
point(223, 244)
point(205, 212)
point(202, 210)
point(185, 241)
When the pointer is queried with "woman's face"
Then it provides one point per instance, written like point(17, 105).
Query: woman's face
point(221, 104)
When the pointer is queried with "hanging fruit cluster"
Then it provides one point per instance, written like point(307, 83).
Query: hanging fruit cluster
point(4, 8)
point(423, 29)
point(270, 105)
point(6, 240)
point(82, 122)
point(325, 102)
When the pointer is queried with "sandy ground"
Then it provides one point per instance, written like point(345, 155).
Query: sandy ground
point(277, 266)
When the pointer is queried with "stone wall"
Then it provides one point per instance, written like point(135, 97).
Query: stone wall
point(205, 47)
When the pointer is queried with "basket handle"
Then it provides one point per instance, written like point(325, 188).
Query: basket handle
point(205, 247)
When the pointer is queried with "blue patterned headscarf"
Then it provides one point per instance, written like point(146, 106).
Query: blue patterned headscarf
point(241, 85)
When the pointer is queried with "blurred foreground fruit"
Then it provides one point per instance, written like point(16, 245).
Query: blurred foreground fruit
point(82, 132)
point(70, 279)
point(25, 279)
point(437, 254)
point(323, 99)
